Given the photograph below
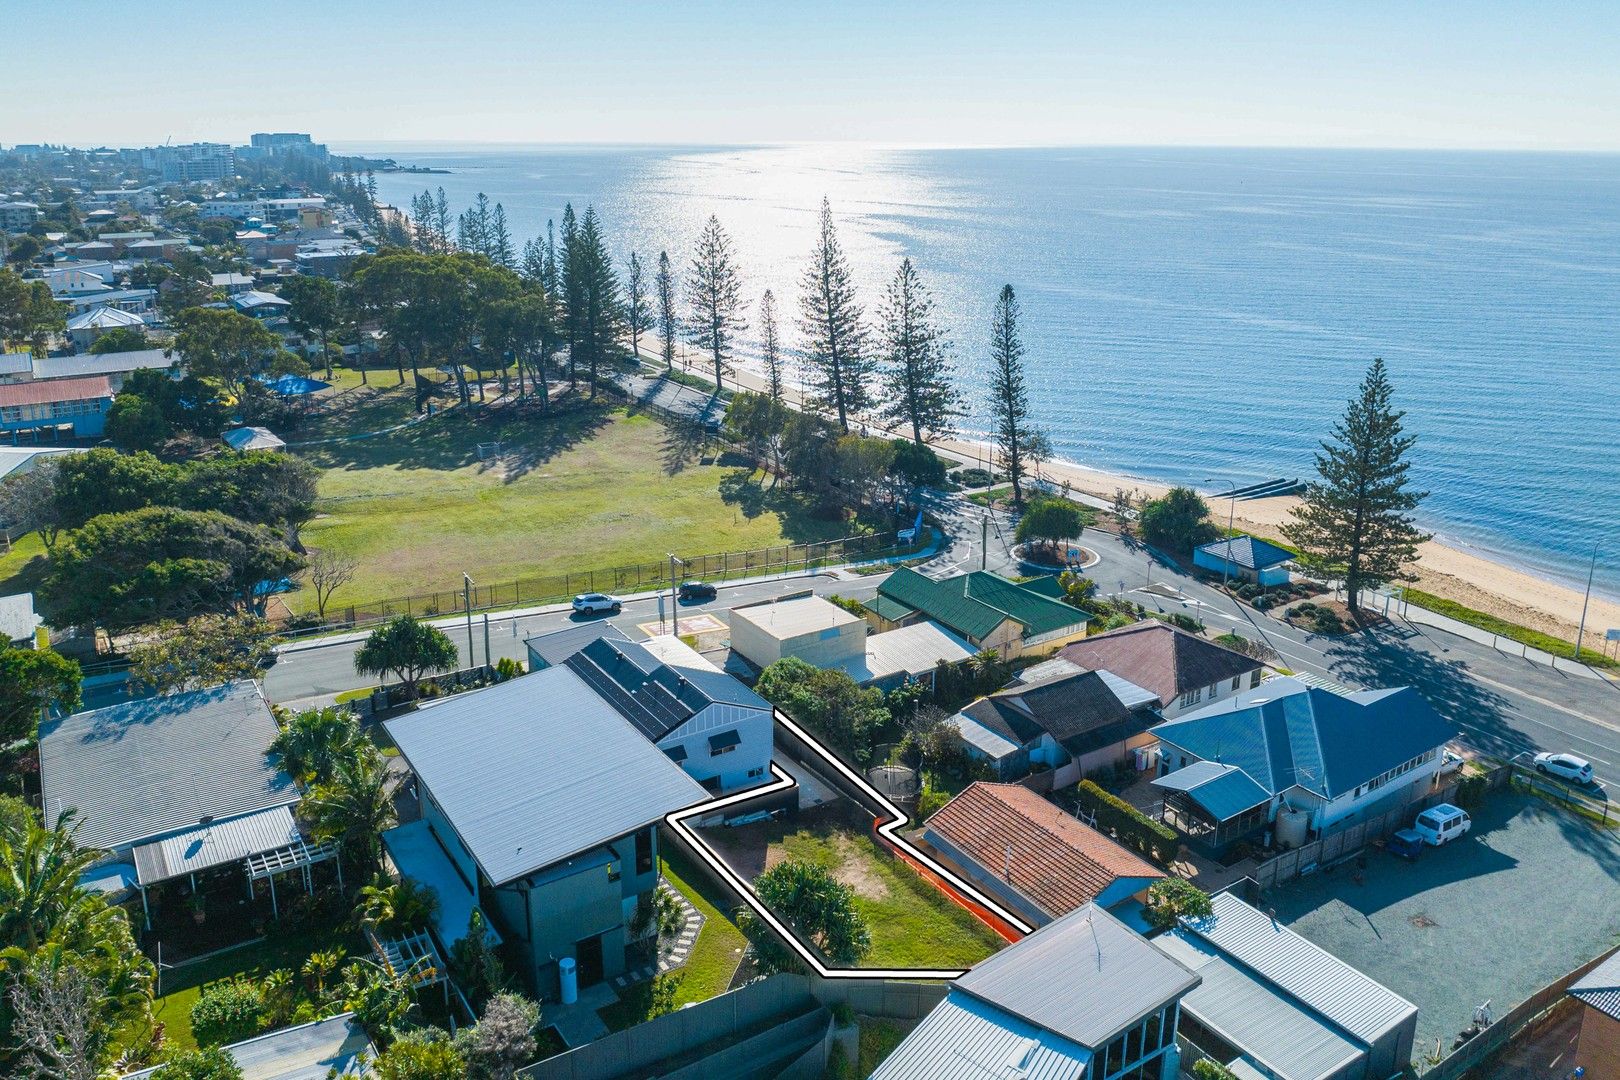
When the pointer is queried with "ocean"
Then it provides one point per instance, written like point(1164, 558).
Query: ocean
point(1195, 315)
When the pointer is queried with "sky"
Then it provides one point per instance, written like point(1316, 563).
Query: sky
point(1483, 74)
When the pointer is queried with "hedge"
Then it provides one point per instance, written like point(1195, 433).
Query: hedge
point(1129, 825)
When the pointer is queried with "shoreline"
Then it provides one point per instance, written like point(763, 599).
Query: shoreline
point(1470, 579)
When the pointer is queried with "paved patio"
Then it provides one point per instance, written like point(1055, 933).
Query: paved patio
point(1525, 898)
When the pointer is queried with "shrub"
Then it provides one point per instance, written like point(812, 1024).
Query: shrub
point(929, 801)
point(228, 1012)
point(507, 668)
point(420, 1055)
point(1171, 899)
point(1205, 1069)
point(974, 478)
point(1470, 791)
point(214, 1063)
point(1129, 825)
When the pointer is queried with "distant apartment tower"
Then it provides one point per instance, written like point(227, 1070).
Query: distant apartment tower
point(287, 142)
point(194, 162)
point(17, 216)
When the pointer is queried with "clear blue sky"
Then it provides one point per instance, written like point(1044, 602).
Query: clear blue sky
point(1484, 73)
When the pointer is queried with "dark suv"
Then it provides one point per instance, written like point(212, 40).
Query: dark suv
point(697, 590)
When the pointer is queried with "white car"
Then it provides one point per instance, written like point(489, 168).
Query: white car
point(595, 603)
point(1438, 824)
point(1565, 767)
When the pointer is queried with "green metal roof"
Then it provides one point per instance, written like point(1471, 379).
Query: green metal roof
point(885, 607)
point(975, 604)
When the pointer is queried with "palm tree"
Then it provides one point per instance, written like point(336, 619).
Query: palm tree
point(354, 806)
point(313, 742)
point(39, 881)
point(396, 908)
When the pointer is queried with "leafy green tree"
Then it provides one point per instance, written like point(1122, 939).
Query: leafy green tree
point(1355, 521)
point(259, 486)
point(144, 566)
point(714, 296)
point(407, 649)
point(29, 315)
point(120, 339)
point(919, 382)
point(525, 326)
point(919, 465)
point(668, 320)
point(827, 701)
point(1177, 521)
point(28, 499)
point(214, 1063)
point(861, 467)
point(502, 1041)
point(1049, 520)
point(317, 309)
point(312, 742)
point(1014, 432)
point(1171, 899)
point(223, 345)
point(770, 347)
point(757, 421)
point(205, 650)
point(475, 963)
point(228, 1012)
point(354, 807)
point(134, 423)
point(103, 481)
point(835, 334)
point(378, 996)
point(420, 1055)
point(816, 905)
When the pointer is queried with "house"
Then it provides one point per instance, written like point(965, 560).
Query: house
point(987, 611)
point(18, 620)
point(712, 726)
point(1072, 723)
point(328, 263)
point(825, 635)
point(20, 459)
point(16, 217)
point(84, 328)
point(1300, 756)
point(32, 409)
point(555, 646)
point(16, 366)
point(337, 1046)
point(252, 438)
point(1082, 998)
point(260, 305)
point(1598, 991)
point(116, 366)
point(231, 284)
point(133, 301)
point(1183, 671)
point(80, 280)
point(1247, 557)
point(542, 803)
point(169, 787)
point(161, 248)
point(1033, 856)
point(1272, 1004)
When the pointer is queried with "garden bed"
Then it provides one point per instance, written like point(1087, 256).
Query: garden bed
point(1329, 618)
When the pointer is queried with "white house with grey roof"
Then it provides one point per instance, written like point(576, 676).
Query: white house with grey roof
point(173, 786)
point(1082, 998)
point(540, 807)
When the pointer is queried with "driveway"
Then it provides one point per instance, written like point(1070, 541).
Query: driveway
point(1523, 899)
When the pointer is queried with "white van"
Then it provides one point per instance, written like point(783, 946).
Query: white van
point(1440, 823)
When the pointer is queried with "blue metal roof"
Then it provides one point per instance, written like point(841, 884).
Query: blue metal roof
point(1248, 552)
point(1284, 733)
point(1223, 790)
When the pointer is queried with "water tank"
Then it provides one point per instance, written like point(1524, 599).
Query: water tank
point(568, 976)
point(1292, 826)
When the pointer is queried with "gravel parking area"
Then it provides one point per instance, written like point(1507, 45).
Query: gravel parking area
point(1527, 896)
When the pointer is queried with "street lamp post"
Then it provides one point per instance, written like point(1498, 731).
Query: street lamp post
point(1590, 573)
point(1231, 515)
point(466, 602)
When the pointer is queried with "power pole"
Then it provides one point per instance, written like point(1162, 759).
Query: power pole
point(466, 602)
point(984, 543)
point(1581, 633)
point(488, 660)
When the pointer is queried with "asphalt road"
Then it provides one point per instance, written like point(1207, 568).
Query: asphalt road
point(1504, 705)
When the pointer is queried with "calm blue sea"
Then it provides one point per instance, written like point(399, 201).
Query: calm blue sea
point(1194, 314)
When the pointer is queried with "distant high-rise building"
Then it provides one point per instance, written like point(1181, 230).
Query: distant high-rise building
point(194, 162)
point(287, 142)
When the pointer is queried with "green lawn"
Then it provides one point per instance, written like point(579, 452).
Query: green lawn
point(878, 1040)
point(714, 956)
point(183, 985)
point(584, 488)
point(1512, 631)
point(23, 566)
point(912, 923)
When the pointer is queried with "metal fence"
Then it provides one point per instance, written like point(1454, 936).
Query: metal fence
point(1336, 846)
point(640, 577)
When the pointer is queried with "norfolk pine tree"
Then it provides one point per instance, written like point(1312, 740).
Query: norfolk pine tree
point(1355, 521)
point(714, 292)
point(637, 314)
point(918, 381)
point(770, 345)
point(668, 322)
point(1013, 433)
point(835, 336)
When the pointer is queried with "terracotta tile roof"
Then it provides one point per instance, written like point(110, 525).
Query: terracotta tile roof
point(1057, 862)
point(1159, 657)
point(45, 391)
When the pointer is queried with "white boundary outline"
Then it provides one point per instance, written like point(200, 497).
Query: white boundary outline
point(890, 832)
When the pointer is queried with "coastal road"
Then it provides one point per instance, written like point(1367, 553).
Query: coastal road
point(1504, 705)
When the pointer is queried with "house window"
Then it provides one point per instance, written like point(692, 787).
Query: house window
point(1192, 697)
point(724, 743)
point(1254, 678)
point(644, 852)
point(1237, 682)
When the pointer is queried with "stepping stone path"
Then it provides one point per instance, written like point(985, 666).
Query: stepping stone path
point(672, 953)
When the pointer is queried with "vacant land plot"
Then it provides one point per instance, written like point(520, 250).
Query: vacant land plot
point(583, 488)
point(913, 924)
point(1524, 898)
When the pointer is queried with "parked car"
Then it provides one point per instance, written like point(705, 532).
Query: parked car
point(1450, 762)
point(697, 590)
point(595, 603)
point(1407, 843)
point(1565, 767)
point(1440, 824)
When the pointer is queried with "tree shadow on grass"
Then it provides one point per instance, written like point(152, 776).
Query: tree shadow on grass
point(683, 442)
point(803, 520)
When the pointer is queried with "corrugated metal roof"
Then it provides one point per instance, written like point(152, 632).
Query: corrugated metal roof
point(118, 363)
point(1223, 790)
point(1600, 987)
point(536, 769)
point(104, 318)
point(1086, 977)
point(1257, 1019)
point(145, 769)
point(1333, 989)
point(991, 743)
point(975, 604)
point(215, 844)
point(305, 1052)
point(18, 619)
point(1284, 733)
point(46, 391)
point(910, 650)
point(558, 645)
point(964, 1038)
